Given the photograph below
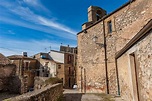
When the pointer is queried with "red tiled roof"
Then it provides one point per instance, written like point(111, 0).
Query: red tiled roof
point(4, 60)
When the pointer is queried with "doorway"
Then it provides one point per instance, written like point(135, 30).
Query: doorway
point(134, 75)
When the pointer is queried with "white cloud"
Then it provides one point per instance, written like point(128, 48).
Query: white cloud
point(32, 47)
point(26, 14)
point(32, 2)
point(10, 32)
point(38, 28)
point(55, 25)
point(36, 4)
point(16, 14)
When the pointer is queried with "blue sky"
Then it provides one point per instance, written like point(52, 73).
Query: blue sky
point(34, 25)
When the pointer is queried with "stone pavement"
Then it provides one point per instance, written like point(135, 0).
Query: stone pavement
point(75, 95)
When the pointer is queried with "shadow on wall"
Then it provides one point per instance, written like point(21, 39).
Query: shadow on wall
point(8, 80)
point(14, 85)
point(73, 97)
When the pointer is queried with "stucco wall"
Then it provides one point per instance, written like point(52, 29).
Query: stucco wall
point(49, 93)
point(143, 51)
point(61, 72)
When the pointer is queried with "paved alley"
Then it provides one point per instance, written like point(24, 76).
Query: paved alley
point(75, 95)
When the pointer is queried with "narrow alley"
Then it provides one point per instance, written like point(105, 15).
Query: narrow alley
point(75, 95)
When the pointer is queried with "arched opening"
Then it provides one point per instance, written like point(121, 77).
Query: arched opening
point(98, 14)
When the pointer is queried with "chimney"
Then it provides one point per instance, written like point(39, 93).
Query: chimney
point(24, 54)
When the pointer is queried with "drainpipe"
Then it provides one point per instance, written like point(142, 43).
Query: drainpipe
point(105, 51)
point(117, 76)
point(81, 80)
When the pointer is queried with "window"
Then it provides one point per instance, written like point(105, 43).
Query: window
point(69, 58)
point(59, 66)
point(98, 17)
point(109, 26)
point(26, 66)
point(98, 14)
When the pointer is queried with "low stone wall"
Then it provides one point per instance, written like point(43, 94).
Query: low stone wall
point(40, 82)
point(48, 93)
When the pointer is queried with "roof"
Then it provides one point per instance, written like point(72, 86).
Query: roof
point(142, 33)
point(106, 16)
point(19, 57)
point(4, 60)
point(57, 51)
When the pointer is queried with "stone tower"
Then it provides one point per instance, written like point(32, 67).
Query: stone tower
point(95, 13)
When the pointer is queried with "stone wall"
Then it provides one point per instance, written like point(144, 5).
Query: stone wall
point(49, 93)
point(39, 82)
point(143, 56)
point(126, 22)
point(91, 68)
point(69, 67)
point(7, 73)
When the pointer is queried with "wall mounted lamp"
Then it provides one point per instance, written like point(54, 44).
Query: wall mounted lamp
point(95, 39)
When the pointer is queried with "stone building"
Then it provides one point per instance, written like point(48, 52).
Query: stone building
point(26, 70)
point(70, 59)
point(101, 38)
point(68, 49)
point(135, 60)
point(65, 66)
point(47, 66)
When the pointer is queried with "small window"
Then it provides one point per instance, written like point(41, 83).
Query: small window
point(69, 58)
point(98, 16)
point(59, 66)
point(109, 26)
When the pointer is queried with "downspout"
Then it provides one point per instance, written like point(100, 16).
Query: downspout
point(117, 76)
point(81, 80)
point(105, 51)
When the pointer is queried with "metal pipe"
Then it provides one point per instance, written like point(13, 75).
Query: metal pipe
point(117, 77)
point(105, 51)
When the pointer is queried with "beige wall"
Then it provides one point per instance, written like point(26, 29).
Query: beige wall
point(60, 72)
point(126, 22)
point(91, 60)
point(143, 55)
point(51, 67)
